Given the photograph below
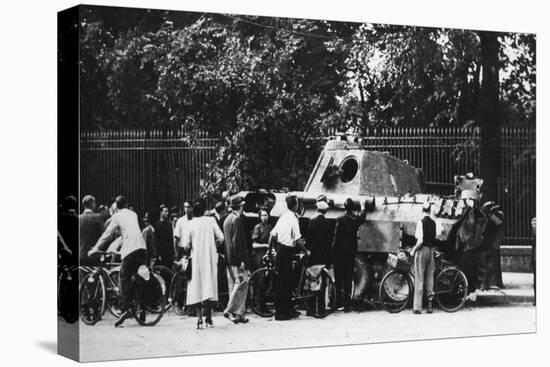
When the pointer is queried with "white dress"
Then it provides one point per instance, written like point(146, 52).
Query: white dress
point(201, 236)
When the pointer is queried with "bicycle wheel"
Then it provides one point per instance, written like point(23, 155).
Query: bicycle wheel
point(112, 288)
point(321, 303)
point(177, 294)
point(165, 272)
point(395, 290)
point(261, 292)
point(451, 289)
point(92, 298)
point(150, 309)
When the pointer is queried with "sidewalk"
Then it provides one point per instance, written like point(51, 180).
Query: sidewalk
point(518, 289)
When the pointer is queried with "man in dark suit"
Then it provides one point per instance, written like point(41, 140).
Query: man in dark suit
point(319, 235)
point(238, 262)
point(344, 246)
point(90, 226)
point(164, 238)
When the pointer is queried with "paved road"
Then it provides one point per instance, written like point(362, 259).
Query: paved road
point(177, 335)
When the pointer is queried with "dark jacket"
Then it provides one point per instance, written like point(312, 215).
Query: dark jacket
point(344, 242)
point(428, 232)
point(164, 241)
point(318, 240)
point(90, 230)
point(260, 233)
point(150, 241)
point(220, 247)
point(236, 241)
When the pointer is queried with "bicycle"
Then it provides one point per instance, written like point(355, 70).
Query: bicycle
point(397, 285)
point(100, 289)
point(318, 295)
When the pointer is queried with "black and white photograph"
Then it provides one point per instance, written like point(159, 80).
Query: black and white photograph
point(235, 183)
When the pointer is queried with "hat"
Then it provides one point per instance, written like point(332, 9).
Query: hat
point(236, 202)
point(322, 197)
point(468, 194)
point(322, 205)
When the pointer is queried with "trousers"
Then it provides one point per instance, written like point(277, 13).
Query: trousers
point(343, 274)
point(424, 268)
point(283, 296)
point(237, 281)
point(129, 267)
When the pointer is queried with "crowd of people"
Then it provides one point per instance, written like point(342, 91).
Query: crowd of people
point(202, 237)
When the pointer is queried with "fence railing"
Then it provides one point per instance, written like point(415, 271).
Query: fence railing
point(164, 167)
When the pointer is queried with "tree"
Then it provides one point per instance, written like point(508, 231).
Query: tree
point(489, 116)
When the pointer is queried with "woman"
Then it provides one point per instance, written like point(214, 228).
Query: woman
point(201, 238)
point(260, 238)
point(260, 244)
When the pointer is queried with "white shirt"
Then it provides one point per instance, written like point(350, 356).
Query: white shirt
point(126, 223)
point(181, 227)
point(287, 229)
point(419, 233)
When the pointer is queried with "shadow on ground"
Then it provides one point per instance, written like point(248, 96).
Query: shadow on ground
point(49, 346)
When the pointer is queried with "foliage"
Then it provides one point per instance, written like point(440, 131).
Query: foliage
point(271, 87)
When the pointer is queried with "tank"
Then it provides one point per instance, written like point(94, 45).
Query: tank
point(393, 190)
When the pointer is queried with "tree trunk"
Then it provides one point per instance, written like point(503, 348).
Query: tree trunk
point(488, 116)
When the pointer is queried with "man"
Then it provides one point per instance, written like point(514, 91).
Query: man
point(237, 257)
point(286, 236)
point(133, 251)
point(67, 232)
point(174, 216)
point(427, 229)
point(318, 239)
point(90, 228)
point(344, 245)
point(219, 213)
point(164, 238)
point(148, 234)
point(181, 225)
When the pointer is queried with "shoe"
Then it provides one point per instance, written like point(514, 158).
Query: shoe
point(241, 320)
point(417, 312)
point(231, 317)
point(208, 322)
point(199, 323)
point(347, 309)
point(282, 317)
point(121, 318)
point(294, 314)
point(430, 307)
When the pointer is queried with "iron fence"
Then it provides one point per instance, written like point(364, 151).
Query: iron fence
point(154, 167)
